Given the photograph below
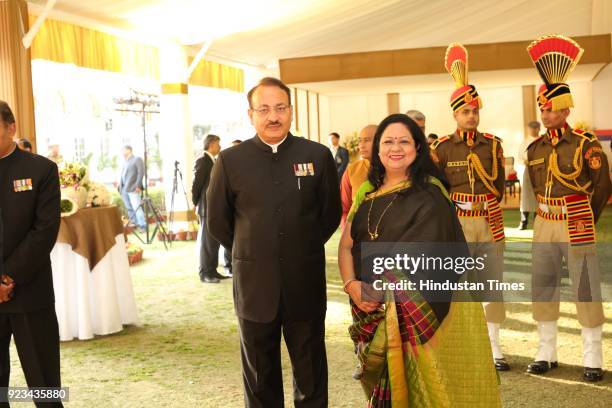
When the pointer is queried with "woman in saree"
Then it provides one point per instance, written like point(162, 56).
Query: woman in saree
point(413, 352)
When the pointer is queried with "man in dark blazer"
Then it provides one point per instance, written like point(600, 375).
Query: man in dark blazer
point(209, 246)
point(341, 155)
point(131, 186)
point(276, 197)
point(29, 223)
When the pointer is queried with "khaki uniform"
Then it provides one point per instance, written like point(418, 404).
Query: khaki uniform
point(572, 184)
point(476, 175)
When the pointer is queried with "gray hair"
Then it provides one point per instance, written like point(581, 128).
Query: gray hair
point(415, 114)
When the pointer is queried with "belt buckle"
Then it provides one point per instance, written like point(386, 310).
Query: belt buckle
point(465, 206)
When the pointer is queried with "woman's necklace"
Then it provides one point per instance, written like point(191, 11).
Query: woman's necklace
point(374, 235)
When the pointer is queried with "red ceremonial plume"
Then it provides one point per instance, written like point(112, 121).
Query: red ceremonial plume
point(456, 63)
point(555, 57)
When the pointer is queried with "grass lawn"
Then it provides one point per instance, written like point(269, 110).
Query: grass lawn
point(186, 351)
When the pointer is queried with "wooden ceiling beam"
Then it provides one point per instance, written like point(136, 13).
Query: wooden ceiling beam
point(422, 61)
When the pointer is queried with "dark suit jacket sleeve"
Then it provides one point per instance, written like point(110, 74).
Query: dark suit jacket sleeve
point(140, 174)
point(344, 156)
point(30, 256)
point(220, 205)
point(199, 180)
point(329, 195)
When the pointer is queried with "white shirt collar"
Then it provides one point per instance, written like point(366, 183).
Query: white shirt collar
point(210, 155)
point(11, 152)
point(273, 146)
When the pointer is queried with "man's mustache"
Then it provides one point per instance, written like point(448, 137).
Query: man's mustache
point(273, 124)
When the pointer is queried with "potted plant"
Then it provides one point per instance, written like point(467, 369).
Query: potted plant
point(181, 235)
point(134, 253)
point(192, 233)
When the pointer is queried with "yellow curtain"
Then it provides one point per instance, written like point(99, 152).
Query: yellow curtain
point(67, 43)
point(71, 44)
point(215, 75)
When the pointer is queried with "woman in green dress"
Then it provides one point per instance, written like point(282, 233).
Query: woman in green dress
point(413, 352)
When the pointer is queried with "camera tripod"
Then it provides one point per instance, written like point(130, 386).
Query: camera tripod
point(176, 180)
point(147, 207)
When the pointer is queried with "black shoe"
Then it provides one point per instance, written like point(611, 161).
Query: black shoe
point(523, 226)
point(219, 276)
point(501, 364)
point(592, 374)
point(541, 367)
point(211, 279)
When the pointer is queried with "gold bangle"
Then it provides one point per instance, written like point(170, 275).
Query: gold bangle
point(347, 283)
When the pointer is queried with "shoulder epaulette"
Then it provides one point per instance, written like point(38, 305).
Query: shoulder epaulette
point(437, 142)
point(535, 140)
point(490, 136)
point(586, 134)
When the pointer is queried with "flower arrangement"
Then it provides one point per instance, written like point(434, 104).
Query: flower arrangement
point(73, 183)
point(67, 206)
point(73, 175)
point(98, 195)
point(352, 143)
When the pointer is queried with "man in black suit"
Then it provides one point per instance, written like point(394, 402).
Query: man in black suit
point(276, 197)
point(209, 246)
point(341, 155)
point(29, 223)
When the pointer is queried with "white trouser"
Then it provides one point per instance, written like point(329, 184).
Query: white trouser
point(494, 338)
point(592, 356)
point(591, 344)
point(547, 347)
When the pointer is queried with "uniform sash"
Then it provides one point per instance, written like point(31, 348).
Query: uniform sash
point(493, 212)
point(579, 219)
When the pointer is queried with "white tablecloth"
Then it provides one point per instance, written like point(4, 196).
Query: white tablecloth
point(95, 302)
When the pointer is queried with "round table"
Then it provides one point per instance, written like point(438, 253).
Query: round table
point(91, 275)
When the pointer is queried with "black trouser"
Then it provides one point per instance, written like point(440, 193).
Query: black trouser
point(524, 217)
point(37, 340)
point(227, 255)
point(261, 361)
point(209, 252)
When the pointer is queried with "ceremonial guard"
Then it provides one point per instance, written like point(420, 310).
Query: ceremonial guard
point(571, 180)
point(473, 162)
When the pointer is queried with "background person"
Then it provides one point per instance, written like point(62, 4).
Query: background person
point(357, 172)
point(209, 246)
point(341, 155)
point(528, 199)
point(131, 186)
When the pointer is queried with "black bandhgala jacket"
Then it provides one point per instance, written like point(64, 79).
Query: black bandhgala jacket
point(278, 210)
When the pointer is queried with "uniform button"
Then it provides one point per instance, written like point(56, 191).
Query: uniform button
point(274, 158)
point(277, 183)
point(281, 259)
point(278, 210)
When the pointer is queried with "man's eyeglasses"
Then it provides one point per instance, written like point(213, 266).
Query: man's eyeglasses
point(265, 110)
